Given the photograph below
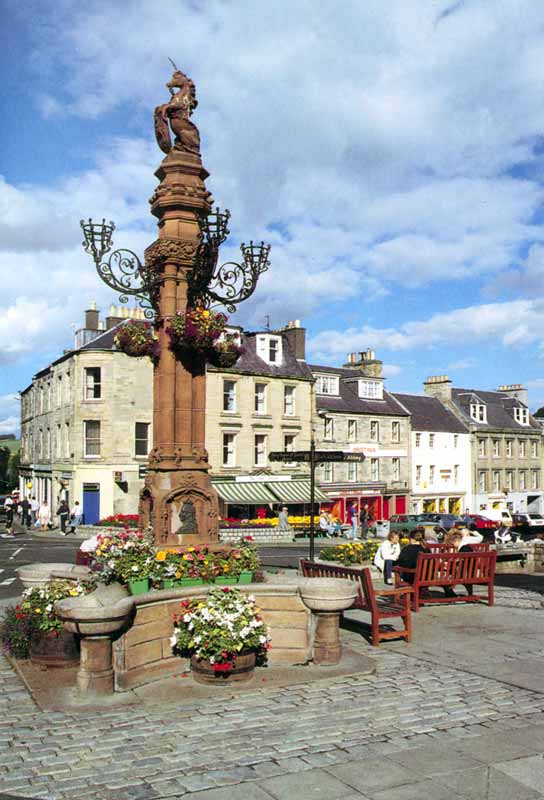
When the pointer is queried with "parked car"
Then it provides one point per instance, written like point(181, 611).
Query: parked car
point(527, 521)
point(446, 521)
point(398, 522)
point(482, 523)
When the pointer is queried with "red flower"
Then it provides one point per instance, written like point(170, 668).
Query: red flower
point(228, 665)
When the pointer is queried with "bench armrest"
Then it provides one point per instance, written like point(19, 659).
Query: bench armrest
point(403, 569)
point(385, 592)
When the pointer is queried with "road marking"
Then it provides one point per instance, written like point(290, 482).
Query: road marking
point(7, 582)
point(15, 553)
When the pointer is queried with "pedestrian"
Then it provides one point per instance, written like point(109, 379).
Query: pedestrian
point(44, 516)
point(408, 555)
point(325, 524)
point(9, 508)
point(386, 554)
point(25, 512)
point(283, 520)
point(63, 513)
point(76, 516)
point(352, 518)
point(364, 519)
point(34, 508)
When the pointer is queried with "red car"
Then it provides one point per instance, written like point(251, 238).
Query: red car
point(482, 523)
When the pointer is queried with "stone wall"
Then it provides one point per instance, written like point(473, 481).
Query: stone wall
point(144, 654)
point(227, 535)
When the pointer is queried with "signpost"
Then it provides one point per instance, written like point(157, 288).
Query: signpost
point(314, 457)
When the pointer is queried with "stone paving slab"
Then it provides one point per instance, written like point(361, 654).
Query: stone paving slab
point(439, 730)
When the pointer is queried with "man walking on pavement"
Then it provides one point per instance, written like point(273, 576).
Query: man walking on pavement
point(25, 512)
point(75, 516)
point(34, 508)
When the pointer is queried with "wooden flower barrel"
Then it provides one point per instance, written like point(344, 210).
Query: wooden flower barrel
point(48, 650)
point(242, 670)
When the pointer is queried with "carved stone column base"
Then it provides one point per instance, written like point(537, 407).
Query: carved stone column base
point(327, 647)
point(185, 507)
point(95, 674)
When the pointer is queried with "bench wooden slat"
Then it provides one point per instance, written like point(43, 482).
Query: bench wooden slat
point(445, 568)
point(381, 604)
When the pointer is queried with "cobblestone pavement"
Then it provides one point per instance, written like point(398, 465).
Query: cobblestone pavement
point(412, 730)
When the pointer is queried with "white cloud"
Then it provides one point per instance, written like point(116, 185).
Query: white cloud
point(464, 363)
point(10, 425)
point(464, 325)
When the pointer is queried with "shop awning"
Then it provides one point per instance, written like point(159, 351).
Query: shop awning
point(296, 491)
point(244, 493)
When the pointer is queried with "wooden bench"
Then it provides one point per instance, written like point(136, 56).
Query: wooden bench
point(446, 569)
point(435, 547)
point(380, 603)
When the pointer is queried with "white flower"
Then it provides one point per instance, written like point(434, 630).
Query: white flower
point(134, 569)
point(187, 617)
point(49, 608)
point(262, 639)
point(173, 640)
point(212, 659)
point(198, 639)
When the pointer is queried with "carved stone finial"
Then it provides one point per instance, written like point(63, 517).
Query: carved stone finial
point(175, 115)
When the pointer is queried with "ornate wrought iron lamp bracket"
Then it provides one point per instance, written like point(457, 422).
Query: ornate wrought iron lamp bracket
point(122, 271)
point(231, 283)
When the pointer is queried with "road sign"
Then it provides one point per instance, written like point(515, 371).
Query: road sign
point(318, 456)
point(142, 470)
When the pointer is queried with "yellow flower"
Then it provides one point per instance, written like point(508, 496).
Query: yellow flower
point(38, 610)
point(161, 555)
point(74, 592)
point(191, 549)
point(178, 575)
point(206, 313)
point(185, 557)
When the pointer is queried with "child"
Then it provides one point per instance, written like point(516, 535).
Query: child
point(386, 553)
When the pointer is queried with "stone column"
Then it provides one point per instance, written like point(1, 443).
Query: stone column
point(95, 674)
point(327, 647)
point(177, 479)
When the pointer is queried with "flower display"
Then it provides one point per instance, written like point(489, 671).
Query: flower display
point(197, 329)
point(350, 553)
point(123, 555)
point(199, 562)
point(296, 521)
point(120, 521)
point(136, 338)
point(38, 603)
point(218, 629)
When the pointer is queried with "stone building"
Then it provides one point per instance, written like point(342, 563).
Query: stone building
point(441, 457)
point(262, 404)
point(86, 423)
point(506, 445)
point(357, 414)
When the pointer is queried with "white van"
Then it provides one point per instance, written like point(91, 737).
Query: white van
point(496, 514)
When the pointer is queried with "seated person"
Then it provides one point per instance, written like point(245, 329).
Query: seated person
point(386, 554)
point(325, 524)
point(409, 553)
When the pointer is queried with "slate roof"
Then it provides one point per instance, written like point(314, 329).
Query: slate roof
point(500, 409)
point(349, 402)
point(250, 363)
point(105, 340)
point(428, 414)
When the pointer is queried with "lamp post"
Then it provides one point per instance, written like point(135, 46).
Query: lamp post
point(180, 270)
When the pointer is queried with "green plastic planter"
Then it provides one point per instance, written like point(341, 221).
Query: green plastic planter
point(245, 577)
point(190, 582)
point(139, 587)
point(224, 580)
point(169, 583)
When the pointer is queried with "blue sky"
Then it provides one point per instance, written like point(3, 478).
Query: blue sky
point(392, 153)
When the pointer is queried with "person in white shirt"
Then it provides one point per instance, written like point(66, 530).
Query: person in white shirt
point(386, 554)
point(44, 516)
point(34, 508)
point(75, 515)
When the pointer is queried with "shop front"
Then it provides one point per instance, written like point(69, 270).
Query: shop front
point(380, 501)
point(438, 504)
point(261, 496)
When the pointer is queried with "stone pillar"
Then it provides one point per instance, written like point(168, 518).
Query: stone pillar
point(183, 503)
point(327, 647)
point(95, 674)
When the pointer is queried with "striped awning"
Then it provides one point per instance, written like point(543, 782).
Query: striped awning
point(297, 491)
point(244, 493)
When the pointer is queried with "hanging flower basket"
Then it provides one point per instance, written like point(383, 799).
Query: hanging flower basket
point(198, 330)
point(136, 338)
point(225, 354)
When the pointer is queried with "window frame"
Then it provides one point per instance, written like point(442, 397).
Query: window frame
point(260, 459)
point(230, 394)
point(323, 381)
point(92, 387)
point(289, 391)
point(258, 397)
point(395, 431)
point(228, 449)
point(88, 439)
point(138, 439)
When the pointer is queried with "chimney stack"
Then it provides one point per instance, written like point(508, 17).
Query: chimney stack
point(91, 317)
point(296, 337)
point(516, 390)
point(438, 386)
point(367, 364)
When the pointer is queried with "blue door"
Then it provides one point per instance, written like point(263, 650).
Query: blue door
point(91, 503)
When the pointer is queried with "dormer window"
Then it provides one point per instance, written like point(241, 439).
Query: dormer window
point(371, 390)
point(478, 412)
point(521, 415)
point(327, 384)
point(269, 348)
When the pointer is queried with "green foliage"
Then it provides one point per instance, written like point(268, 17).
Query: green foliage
point(39, 603)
